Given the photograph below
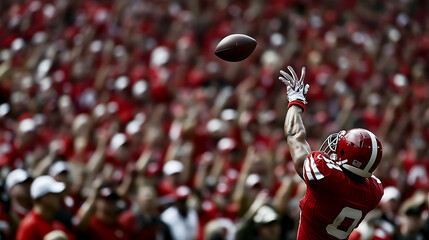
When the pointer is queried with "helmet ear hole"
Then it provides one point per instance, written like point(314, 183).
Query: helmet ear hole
point(342, 152)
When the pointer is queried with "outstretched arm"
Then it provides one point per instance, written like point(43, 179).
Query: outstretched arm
point(295, 136)
point(294, 128)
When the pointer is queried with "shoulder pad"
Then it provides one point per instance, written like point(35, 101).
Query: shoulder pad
point(317, 165)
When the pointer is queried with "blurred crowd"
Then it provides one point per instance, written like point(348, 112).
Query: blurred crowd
point(117, 121)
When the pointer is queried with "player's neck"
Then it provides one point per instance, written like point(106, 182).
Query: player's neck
point(353, 176)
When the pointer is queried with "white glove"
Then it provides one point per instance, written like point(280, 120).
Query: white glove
point(296, 89)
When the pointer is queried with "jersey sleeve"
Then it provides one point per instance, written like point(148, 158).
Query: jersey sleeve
point(27, 231)
point(319, 170)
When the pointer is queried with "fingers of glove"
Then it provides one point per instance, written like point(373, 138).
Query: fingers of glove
point(295, 77)
point(286, 75)
point(307, 86)
point(284, 80)
point(302, 75)
point(283, 73)
point(290, 85)
point(292, 81)
point(287, 79)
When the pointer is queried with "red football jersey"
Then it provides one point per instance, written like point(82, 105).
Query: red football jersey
point(334, 204)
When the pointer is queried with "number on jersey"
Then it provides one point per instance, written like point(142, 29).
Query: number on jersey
point(346, 212)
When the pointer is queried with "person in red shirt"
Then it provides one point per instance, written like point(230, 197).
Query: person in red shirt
point(101, 218)
point(173, 171)
point(341, 188)
point(143, 219)
point(18, 184)
point(45, 192)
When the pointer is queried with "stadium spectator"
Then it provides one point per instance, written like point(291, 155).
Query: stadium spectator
point(75, 74)
point(46, 193)
point(180, 217)
point(411, 222)
point(59, 170)
point(382, 222)
point(172, 170)
point(390, 203)
point(99, 215)
point(18, 184)
point(220, 229)
point(265, 224)
point(143, 219)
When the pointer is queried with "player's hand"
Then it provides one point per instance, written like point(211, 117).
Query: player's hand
point(260, 200)
point(296, 89)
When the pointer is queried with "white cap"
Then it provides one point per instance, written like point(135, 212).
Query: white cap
point(4, 109)
point(122, 82)
point(182, 192)
point(390, 193)
point(17, 44)
point(15, 177)
point(159, 56)
point(55, 235)
point(228, 114)
point(96, 46)
point(58, 167)
point(253, 180)
point(117, 141)
point(79, 121)
point(65, 101)
point(172, 167)
point(226, 144)
point(265, 214)
point(215, 125)
point(133, 127)
point(139, 88)
point(39, 37)
point(27, 125)
point(45, 184)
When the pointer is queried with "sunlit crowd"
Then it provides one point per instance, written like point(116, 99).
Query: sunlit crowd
point(117, 121)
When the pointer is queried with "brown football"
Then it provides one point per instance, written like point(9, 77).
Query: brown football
point(235, 47)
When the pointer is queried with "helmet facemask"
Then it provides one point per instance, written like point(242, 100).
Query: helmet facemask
point(329, 146)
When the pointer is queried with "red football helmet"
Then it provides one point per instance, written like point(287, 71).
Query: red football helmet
point(357, 150)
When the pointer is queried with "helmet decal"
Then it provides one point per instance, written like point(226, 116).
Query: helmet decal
point(374, 151)
point(356, 163)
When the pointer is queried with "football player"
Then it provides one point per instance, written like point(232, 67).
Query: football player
point(341, 188)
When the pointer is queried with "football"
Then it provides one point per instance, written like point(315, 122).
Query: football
point(235, 47)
